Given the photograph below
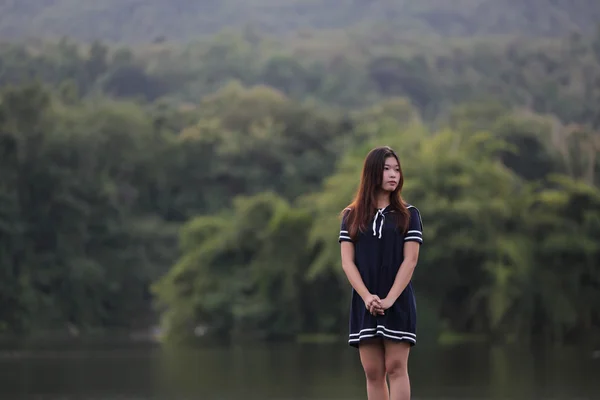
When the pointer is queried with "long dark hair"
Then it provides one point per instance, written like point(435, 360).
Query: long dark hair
point(362, 210)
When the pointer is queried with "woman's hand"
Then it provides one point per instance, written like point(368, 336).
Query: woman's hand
point(374, 304)
point(379, 307)
point(386, 303)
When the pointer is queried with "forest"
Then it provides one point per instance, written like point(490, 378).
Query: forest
point(197, 185)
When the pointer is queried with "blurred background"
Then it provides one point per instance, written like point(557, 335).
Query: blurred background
point(172, 173)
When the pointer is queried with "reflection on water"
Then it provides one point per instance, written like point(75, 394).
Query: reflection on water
point(286, 371)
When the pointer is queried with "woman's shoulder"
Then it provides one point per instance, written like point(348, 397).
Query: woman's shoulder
point(411, 208)
point(415, 222)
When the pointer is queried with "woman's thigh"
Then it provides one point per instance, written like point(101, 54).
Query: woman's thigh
point(372, 357)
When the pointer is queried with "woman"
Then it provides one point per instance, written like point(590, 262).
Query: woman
point(380, 238)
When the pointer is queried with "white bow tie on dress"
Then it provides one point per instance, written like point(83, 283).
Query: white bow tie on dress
point(375, 233)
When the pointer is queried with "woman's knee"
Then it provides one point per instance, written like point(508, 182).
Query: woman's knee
point(396, 358)
point(374, 371)
point(395, 366)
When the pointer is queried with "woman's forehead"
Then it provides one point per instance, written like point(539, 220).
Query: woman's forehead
point(391, 161)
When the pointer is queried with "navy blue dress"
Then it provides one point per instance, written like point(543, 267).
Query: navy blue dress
point(379, 252)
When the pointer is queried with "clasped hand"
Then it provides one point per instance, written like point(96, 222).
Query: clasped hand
point(376, 306)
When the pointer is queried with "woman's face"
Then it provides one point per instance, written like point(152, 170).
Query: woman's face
point(391, 174)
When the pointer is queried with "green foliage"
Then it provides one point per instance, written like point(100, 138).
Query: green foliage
point(351, 70)
point(93, 193)
point(74, 252)
point(241, 272)
point(504, 255)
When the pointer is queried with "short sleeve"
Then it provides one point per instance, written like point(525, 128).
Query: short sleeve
point(344, 234)
point(415, 226)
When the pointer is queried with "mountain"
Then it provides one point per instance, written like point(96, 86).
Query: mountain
point(150, 20)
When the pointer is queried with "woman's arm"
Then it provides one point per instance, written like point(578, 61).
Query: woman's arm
point(412, 244)
point(404, 275)
point(352, 273)
point(349, 266)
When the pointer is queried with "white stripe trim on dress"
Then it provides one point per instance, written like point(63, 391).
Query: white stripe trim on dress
point(379, 333)
point(385, 329)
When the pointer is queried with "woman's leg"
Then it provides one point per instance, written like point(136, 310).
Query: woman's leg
point(396, 366)
point(372, 357)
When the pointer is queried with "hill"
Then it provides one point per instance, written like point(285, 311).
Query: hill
point(136, 21)
point(202, 180)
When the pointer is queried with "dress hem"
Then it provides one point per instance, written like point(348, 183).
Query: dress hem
point(381, 331)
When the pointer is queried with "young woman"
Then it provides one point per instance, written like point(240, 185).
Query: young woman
point(380, 238)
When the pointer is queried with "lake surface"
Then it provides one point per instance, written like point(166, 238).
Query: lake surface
point(288, 372)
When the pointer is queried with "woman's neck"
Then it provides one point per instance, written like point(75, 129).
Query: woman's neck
point(383, 199)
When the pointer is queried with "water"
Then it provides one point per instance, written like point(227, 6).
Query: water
point(288, 372)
